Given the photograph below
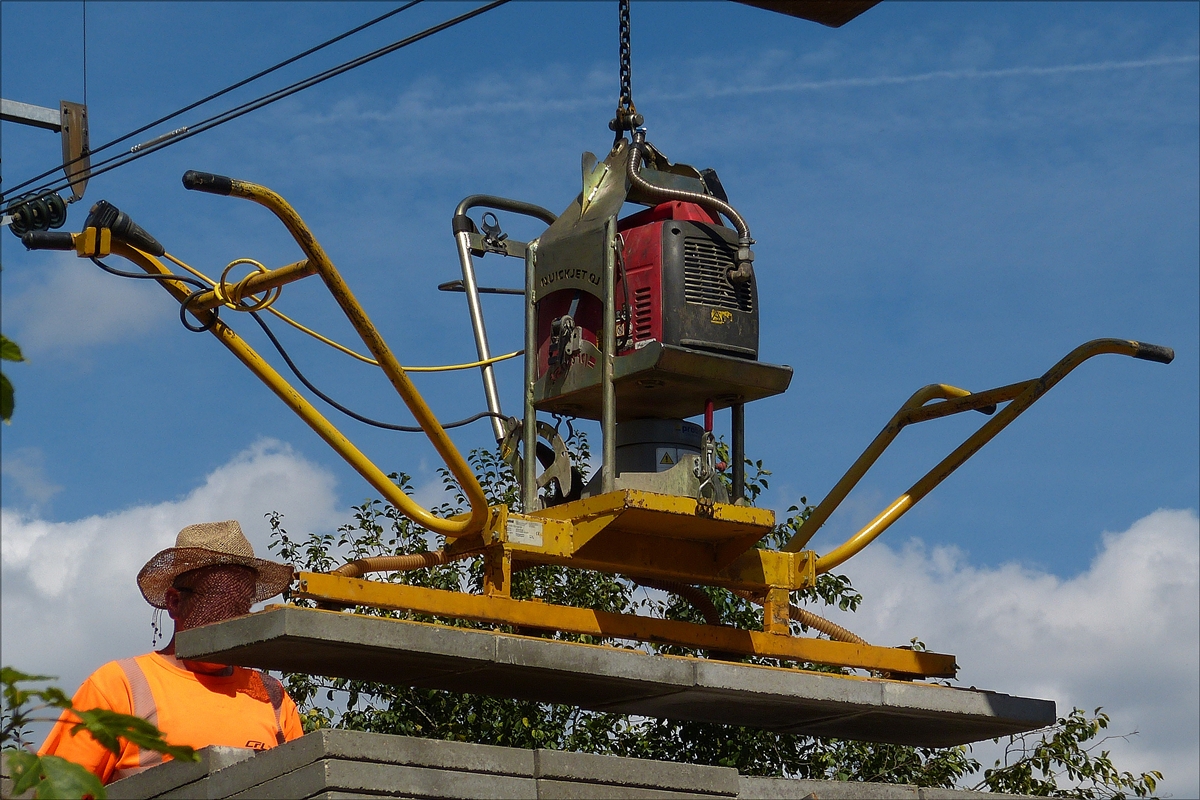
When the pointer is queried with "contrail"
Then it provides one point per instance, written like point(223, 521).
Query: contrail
point(943, 74)
point(575, 102)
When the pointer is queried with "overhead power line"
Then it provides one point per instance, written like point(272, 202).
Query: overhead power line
point(210, 97)
point(219, 119)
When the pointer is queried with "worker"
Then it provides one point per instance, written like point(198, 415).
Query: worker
point(210, 575)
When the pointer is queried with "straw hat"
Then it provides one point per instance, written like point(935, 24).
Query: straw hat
point(209, 544)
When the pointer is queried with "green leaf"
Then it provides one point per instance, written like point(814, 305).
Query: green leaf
point(9, 675)
point(24, 768)
point(7, 401)
point(9, 351)
point(106, 727)
point(66, 779)
point(51, 777)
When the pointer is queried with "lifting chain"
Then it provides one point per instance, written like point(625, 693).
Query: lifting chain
point(626, 118)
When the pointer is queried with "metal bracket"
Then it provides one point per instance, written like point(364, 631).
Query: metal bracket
point(69, 120)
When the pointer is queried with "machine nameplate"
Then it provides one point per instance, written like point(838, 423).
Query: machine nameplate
point(523, 531)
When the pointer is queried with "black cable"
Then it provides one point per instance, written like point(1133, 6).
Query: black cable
point(266, 100)
point(376, 423)
point(183, 308)
point(148, 276)
point(212, 96)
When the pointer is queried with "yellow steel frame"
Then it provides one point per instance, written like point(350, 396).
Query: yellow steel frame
point(92, 242)
point(950, 400)
point(545, 616)
point(638, 534)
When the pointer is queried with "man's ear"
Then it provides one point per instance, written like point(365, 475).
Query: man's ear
point(172, 600)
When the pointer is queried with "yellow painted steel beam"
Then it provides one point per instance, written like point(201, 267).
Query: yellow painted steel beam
point(651, 535)
point(666, 516)
point(545, 616)
point(604, 541)
point(1022, 396)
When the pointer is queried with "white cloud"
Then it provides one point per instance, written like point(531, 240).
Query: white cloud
point(536, 94)
point(1125, 634)
point(78, 305)
point(68, 597)
point(26, 466)
point(941, 74)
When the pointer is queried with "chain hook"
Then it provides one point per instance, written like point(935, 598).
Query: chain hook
point(626, 117)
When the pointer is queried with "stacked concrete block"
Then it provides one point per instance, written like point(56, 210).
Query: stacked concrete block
point(343, 764)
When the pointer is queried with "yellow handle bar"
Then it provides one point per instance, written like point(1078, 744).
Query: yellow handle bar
point(951, 401)
point(94, 242)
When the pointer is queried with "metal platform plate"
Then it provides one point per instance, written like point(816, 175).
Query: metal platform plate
point(642, 513)
point(612, 679)
point(666, 382)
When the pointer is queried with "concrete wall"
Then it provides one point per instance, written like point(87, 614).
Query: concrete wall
point(343, 764)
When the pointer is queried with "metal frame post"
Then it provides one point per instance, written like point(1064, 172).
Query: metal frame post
point(475, 308)
point(529, 496)
point(738, 456)
point(608, 407)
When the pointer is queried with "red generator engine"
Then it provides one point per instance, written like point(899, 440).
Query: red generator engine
point(672, 286)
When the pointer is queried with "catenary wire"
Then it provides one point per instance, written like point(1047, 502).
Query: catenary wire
point(204, 100)
point(220, 119)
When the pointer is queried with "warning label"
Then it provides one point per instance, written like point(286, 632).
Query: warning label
point(665, 458)
point(523, 531)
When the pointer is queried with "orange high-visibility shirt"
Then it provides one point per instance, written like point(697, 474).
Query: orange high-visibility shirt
point(190, 708)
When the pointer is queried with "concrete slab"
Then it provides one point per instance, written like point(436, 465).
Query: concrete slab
point(342, 764)
point(569, 790)
point(352, 746)
point(791, 789)
point(617, 773)
point(173, 775)
point(612, 679)
point(365, 778)
point(785, 789)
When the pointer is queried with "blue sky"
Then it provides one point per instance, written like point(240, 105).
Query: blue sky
point(941, 192)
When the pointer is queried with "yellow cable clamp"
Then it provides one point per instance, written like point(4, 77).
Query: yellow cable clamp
point(235, 300)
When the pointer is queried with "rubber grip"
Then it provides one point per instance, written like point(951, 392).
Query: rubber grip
point(207, 182)
point(461, 223)
point(45, 240)
point(1151, 352)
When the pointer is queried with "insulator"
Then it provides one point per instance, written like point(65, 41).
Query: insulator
point(58, 210)
point(20, 218)
point(39, 213)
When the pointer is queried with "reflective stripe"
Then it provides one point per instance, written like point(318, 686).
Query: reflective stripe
point(144, 707)
point(275, 692)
